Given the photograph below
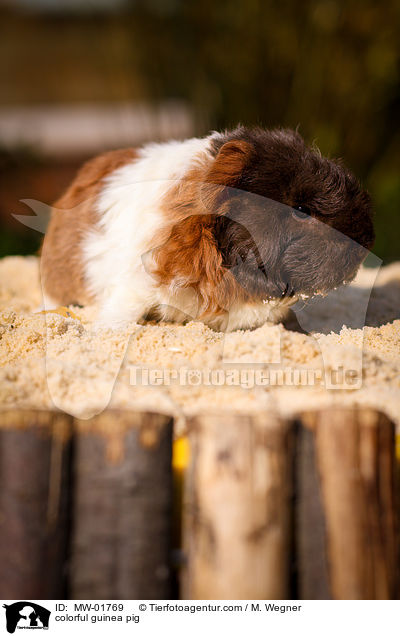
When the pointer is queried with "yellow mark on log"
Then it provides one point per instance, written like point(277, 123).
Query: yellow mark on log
point(398, 448)
point(180, 454)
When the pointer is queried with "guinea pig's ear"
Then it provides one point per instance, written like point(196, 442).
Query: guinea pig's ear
point(232, 158)
point(225, 172)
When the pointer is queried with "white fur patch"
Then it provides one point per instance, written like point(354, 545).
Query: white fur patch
point(129, 218)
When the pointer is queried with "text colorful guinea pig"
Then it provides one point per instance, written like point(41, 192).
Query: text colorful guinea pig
point(230, 229)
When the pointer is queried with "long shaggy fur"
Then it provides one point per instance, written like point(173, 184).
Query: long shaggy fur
point(237, 224)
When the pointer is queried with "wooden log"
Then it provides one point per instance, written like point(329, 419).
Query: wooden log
point(347, 530)
point(311, 575)
point(237, 509)
point(122, 507)
point(34, 500)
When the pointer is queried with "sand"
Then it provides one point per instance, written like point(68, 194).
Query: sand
point(60, 361)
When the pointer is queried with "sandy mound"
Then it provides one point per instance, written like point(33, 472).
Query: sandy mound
point(57, 361)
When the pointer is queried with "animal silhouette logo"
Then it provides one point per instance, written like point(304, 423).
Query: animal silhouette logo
point(26, 615)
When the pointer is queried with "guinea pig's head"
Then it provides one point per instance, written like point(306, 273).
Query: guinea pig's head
point(290, 222)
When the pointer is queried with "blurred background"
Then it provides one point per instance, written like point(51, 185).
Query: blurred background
point(81, 76)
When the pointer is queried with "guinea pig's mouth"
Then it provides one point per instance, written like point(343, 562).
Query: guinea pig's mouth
point(297, 278)
point(333, 264)
point(295, 266)
point(283, 291)
point(290, 295)
point(262, 284)
point(269, 283)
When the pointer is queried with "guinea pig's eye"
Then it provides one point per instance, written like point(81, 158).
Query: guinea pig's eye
point(301, 212)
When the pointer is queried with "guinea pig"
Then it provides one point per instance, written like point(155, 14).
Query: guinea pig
point(230, 229)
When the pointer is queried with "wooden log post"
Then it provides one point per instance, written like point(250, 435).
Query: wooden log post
point(242, 533)
point(122, 507)
point(34, 500)
point(237, 508)
point(346, 506)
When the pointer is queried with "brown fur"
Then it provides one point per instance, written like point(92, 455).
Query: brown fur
point(73, 215)
point(249, 249)
point(189, 256)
